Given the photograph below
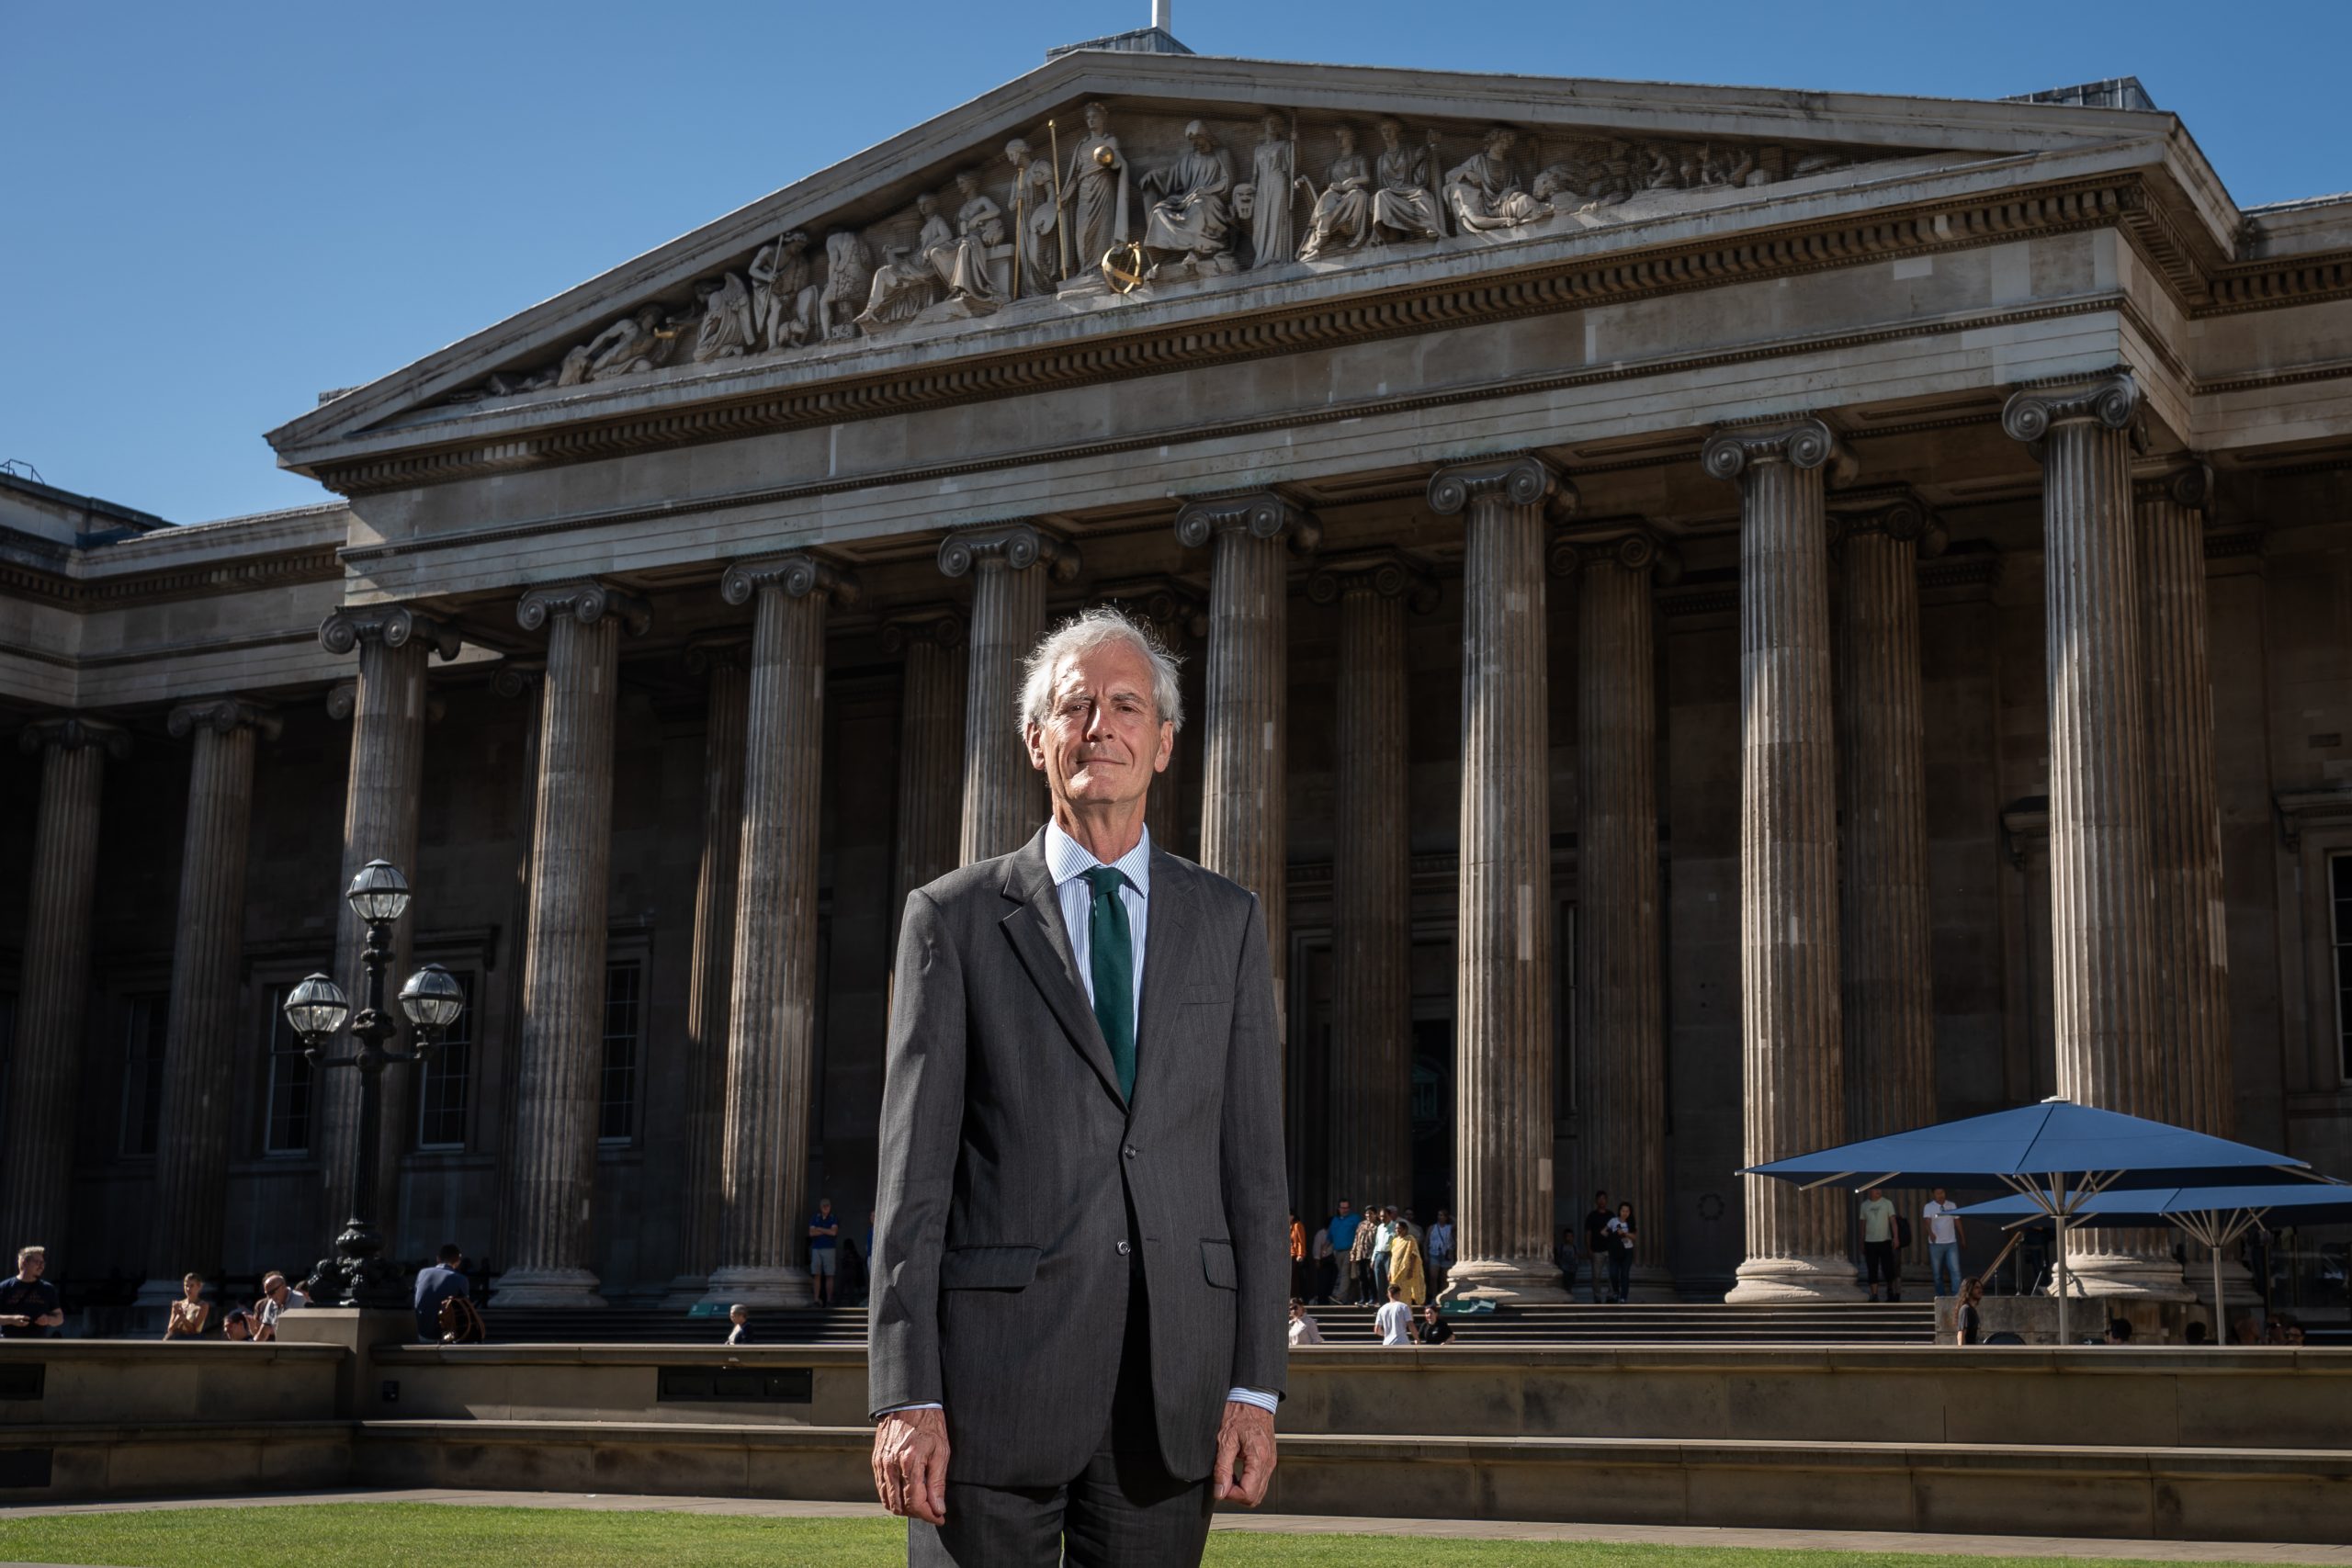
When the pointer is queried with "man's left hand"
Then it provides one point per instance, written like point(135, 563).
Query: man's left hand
point(1245, 1454)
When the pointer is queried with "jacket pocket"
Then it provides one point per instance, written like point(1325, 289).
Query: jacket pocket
point(988, 1267)
point(1216, 1262)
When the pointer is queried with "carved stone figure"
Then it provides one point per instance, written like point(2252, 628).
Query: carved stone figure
point(1483, 193)
point(1273, 165)
point(1097, 194)
point(979, 224)
point(784, 300)
point(1404, 202)
point(1342, 216)
point(910, 279)
point(631, 345)
point(725, 330)
point(849, 268)
point(1031, 201)
point(1192, 219)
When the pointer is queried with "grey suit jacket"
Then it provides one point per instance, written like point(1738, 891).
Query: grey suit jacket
point(1010, 1168)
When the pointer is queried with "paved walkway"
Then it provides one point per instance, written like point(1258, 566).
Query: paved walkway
point(1316, 1524)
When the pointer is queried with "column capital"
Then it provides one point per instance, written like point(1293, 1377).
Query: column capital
point(940, 625)
point(798, 575)
point(343, 701)
point(1733, 452)
point(1261, 513)
point(718, 651)
point(224, 716)
point(1167, 606)
point(2112, 400)
point(2186, 481)
point(1897, 513)
point(70, 732)
point(1389, 573)
point(1015, 545)
point(394, 626)
point(586, 601)
point(1520, 477)
point(1629, 545)
point(518, 677)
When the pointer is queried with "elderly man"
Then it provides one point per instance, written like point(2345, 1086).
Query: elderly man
point(1077, 1338)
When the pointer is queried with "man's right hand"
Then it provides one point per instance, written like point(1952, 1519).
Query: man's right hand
point(911, 1464)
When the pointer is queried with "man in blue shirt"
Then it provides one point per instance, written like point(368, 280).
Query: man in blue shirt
point(1343, 1227)
point(435, 1285)
point(823, 1232)
point(29, 1305)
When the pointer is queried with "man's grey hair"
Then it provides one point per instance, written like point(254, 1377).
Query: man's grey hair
point(1083, 633)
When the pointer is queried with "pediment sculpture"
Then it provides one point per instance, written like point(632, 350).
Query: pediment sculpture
point(1061, 208)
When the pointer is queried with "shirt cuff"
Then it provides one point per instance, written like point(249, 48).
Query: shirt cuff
point(926, 1404)
point(1258, 1397)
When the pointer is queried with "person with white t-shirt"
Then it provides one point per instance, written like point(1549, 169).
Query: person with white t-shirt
point(1394, 1321)
point(1944, 1236)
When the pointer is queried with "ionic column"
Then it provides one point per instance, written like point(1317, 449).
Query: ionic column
point(1369, 1113)
point(45, 1080)
point(1503, 1037)
point(1621, 1032)
point(1174, 614)
point(559, 1062)
point(2102, 922)
point(201, 1089)
point(1791, 1054)
point(723, 662)
point(1887, 971)
point(1004, 797)
point(1244, 815)
point(387, 709)
point(771, 1046)
point(931, 694)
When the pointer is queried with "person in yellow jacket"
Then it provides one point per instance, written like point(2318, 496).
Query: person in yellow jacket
point(1405, 1266)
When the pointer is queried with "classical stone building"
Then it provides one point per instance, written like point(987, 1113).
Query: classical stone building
point(1716, 620)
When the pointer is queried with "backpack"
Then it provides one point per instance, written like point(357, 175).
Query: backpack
point(1903, 1230)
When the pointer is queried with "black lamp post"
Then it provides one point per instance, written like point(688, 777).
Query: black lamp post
point(358, 1274)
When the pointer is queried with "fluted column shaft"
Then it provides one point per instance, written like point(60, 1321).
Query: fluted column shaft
point(1004, 797)
point(1244, 815)
point(189, 1213)
point(1369, 1113)
point(1503, 1031)
point(379, 822)
point(932, 698)
point(772, 1034)
point(710, 985)
point(559, 1063)
point(1792, 1055)
point(2190, 943)
point(2101, 920)
point(1621, 1039)
point(45, 1079)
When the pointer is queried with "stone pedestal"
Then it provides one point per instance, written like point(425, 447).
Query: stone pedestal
point(379, 807)
point(1791, 1054)
point(551, 1162)
point(1369, 1113)
point(723, 662)
point(1503, 1035)
point(1244, 813)
point(1004, 797)
point(771, 1060)
point(2101, 914)
point(201, 1085)
point(45, 1079)
point(1887, 969)
point(1620, 1026)
point(932, 695)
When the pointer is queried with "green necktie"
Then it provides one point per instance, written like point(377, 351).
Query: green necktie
point(1112, 956)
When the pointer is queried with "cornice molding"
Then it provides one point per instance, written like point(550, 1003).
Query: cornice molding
point(224, 715)
point(80, 592)
point(586, 602)
point(73, 732)
point(1012, 547)
point(797, 576)
point(393, 625)
point(1263, 514)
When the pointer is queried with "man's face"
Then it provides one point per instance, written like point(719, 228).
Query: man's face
point(824, 1205)
point(1103, 738)
point(1876, 1194)
point(1343, 1205)
point(1938, 1195)
point(276, 1289)
point(238, 1329)
point(32, 1266)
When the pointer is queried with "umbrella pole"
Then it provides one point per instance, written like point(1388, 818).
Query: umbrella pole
point(2059, 1192)
point(2219, 1336)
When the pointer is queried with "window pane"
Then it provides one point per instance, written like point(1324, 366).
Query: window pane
point(142, 1072)
point(445, 1080)
point(288, 1129)
point(617, 1122)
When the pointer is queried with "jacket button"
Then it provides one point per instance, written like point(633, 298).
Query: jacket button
point(1131, 1151)
point(1124, 1250)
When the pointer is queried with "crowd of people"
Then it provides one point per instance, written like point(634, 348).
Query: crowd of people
point(1355, 1259)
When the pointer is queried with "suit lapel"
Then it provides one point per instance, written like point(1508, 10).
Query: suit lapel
point(1034, 927)
point(1166, 971)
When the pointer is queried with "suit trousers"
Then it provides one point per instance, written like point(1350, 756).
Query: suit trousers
point(1123, 1509)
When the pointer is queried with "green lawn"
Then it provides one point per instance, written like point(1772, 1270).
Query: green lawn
point(402, 1535)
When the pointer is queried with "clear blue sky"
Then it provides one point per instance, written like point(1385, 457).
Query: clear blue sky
point(214, 211)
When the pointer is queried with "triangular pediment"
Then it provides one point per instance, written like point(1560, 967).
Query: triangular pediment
point(946, 239)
